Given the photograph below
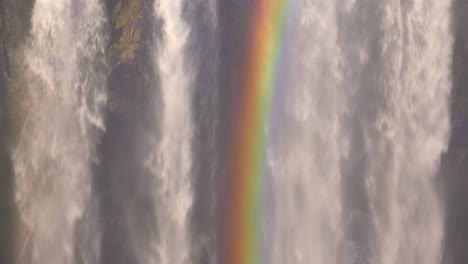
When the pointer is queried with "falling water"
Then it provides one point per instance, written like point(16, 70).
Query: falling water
point(172, 162)
point(359, 124)
point(405, 139)
point(359, 121)
point(306, 142)
point(65, 94)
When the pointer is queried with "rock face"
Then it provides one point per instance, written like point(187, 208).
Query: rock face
point(129, 53)
point(5, 166)
point(127, 28)
point(454, 173)
point(130, 89)
point(14, 25)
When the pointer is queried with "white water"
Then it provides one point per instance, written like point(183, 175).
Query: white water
point(171, 163)
point(376, 69)
point(379, 70)
point(65, 97)
point(411, 132)
point(306, 143)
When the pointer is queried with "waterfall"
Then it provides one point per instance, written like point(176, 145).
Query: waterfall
point(409, 132)
point(360, 121)
point(302, 198)
point(171, 163)
point(203, 48)
point(65, 79)
point(398, 56)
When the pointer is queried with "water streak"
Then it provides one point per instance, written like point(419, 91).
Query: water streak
point(306, 142)
point(360, 118)
point(65, 93)
point(171, 163)
point(412, 132)
point(360, 122)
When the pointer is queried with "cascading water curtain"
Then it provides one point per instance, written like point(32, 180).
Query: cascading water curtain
point(405, 139)
point(338, 133)
point(338, 116)
point(64, 61)
point(306, 140)
point(171, 162)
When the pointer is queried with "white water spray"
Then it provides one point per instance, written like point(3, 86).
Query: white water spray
point(412, 132)
point(66, 94)
point(172, 163)
point(389, 79)
point(306, 143)
point(376, 69)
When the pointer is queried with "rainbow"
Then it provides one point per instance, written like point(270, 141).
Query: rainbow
point(252, 118)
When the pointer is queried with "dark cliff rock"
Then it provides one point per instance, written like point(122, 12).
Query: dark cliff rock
point(5, 166)
point(14, 25)
point(454, 172)
point(119, 176)
point(129, 54)
point(127, 28)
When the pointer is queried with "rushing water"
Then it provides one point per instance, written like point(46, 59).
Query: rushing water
point(171, 163)
point(306, 141)
point(397, 72)
point(65, 93)
point(359, 121)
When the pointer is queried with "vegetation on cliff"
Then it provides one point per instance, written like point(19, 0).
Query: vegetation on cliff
point(127, 26)
point(129, 55)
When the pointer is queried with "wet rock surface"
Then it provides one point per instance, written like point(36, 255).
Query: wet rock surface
point(454, 172)
point(119, 176)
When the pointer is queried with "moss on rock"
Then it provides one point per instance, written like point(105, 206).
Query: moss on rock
point(129, 55)
point(127, 24)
